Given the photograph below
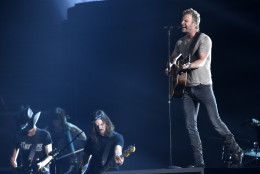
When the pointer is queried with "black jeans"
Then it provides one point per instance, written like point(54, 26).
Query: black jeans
point(204, 95)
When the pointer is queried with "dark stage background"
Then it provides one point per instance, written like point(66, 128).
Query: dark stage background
point(111, 55)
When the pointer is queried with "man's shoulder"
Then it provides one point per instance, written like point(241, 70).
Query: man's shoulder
point(117, 136)
point(181, 39)
point(69, 124)
point(43, 132)
point(204, 36)
point(19, 135)
point(114, 133)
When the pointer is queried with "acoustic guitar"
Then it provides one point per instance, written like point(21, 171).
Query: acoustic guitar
point(178, 78)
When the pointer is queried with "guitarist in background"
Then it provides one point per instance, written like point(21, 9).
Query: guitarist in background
point(198, 90)
point(104, 146)
point(32, 145)
point(62, 132)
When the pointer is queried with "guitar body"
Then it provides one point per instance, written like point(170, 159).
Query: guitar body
point(29, 170)
point(178, 79)
point(110, 164)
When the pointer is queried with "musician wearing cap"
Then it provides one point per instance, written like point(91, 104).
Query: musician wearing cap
point(103, 150)
point(32, 146)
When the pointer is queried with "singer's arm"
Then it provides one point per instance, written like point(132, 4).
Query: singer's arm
point(197, 63)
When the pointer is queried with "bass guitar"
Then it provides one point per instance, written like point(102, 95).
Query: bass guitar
point(110, 164)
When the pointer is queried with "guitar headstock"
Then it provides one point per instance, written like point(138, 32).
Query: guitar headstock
point(129, 150)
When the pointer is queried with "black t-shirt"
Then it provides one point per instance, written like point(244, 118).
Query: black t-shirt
point(60, 141)
point(24, 144)
point(97, 149)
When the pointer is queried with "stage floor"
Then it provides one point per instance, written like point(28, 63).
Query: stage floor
point(193, 171)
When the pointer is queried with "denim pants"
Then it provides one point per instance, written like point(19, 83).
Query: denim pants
point(192, 98)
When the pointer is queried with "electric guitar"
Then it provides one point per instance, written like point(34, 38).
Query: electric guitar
point(29, 170)
point(178, 78)
point(34, 167)
point(110, 164)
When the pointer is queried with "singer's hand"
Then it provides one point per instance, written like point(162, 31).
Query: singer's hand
point(186, 66)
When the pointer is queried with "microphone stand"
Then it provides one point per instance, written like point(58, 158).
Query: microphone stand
point(169, 29)
point(59, 151)
point(72, 153)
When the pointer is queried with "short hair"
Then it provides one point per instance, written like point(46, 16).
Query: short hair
point(195, 16)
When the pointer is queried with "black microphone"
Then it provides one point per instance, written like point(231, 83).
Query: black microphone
point(172, 27)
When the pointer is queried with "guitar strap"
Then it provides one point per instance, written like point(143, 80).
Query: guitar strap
point(33, 148)
point(193, 43)
point(107, 149)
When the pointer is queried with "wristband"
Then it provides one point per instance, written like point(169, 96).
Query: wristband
point(189, 67)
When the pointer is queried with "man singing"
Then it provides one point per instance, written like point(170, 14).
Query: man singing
point(197, 47)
